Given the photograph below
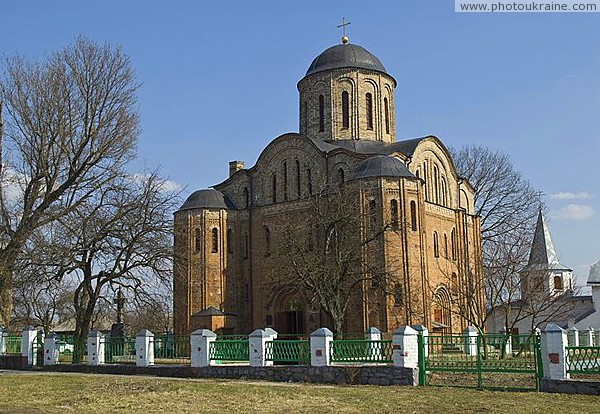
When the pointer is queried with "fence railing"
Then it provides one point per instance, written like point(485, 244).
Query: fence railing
point(119, 350)
point(231, 350)
point(583, 359)
point(288, 351)
point(13, 344)
point(361, 350)
point(172, 349)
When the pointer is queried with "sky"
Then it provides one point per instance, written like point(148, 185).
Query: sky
point(219, 83)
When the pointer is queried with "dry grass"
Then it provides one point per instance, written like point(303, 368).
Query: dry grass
point(81, 393)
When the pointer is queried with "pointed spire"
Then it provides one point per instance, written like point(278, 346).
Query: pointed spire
point(543, 254)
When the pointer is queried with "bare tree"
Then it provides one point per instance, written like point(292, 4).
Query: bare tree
point(70, 124)
point(332, 249)
point(121, 237)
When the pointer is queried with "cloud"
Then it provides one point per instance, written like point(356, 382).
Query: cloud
point(574, 212)
point(582, 195)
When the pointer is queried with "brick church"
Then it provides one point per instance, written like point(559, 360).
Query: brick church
point(430, 243)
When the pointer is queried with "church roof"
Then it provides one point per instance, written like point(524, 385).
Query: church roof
point(543, 255)
point(207, 198)
point(210, 311)
point(345, 56)
point(594, 276)
point(382, 166)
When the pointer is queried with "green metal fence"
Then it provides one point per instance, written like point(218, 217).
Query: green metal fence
point(583, 360)
point(13, 344)
point(229, 350)
point(71, 350)
point(361, 350)
point(484, 361)
point(119, 350)
point(288, 351)
point(172, 349)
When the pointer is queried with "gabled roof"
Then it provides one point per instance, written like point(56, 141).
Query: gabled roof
point(543, 256)
point(594, 276)
point(210, 311)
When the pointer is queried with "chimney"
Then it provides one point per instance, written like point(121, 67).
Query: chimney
point(235, 166)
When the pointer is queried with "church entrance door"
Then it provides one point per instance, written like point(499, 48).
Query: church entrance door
point(290, 319)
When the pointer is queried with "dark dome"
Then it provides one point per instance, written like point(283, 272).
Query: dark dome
point(207, 198)
point(345, 56)
point(382, 166)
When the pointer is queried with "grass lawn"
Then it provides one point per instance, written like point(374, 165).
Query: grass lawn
point(86, 393)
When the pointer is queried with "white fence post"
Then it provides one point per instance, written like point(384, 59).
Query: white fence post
point(2, 341)
point(95, 348)
point(200, 341)
point(50, 349)
point(257, 341)
point(405, 347)
point(320, 342)
point(554, 341)
point(29, 335)
point(470, 340)
point(422, 329)
point(144, 348)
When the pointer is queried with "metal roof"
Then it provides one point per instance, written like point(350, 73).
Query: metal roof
point(542, 254)
point(345, 56)
point(367, 146)
point(207, 198)
point(382, 166)
point(594, 276)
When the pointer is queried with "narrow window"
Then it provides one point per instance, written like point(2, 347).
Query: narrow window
point(397, 294)
point(445, 246)
point(310, 244)
point(321, 113)
point(246, 197)
point(558, 283)
point(215, 240)
point(453, 241)
point(274, 189)
point(309, 182)
point(285, 181)
point(267, 241)
point(436, 190)
point(197, 240)
point(305, 117)
point(426, 179)
point(413, 216)
point(246, 245)
point(229, 241)
point(298, 187)
point(345, 110)
point(386, 110)
point(369, 109)
point(341, 179)
point(394, 213)
point(373, 214)
point(436, 247)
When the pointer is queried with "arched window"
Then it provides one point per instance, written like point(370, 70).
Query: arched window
point(321, 113)
point(274, 189)
point(309, 185)
point(372, 214)
point(397, 294)
point(386, 110)
point(444, 198)
point(341, 178)
point(345, 110)
point(453, 241)
point(413, 215)
point(285, 181)
point(229, 241)
point(197, 240)
point(246, 245)
point(426, 179)
point(436, 246)
point(436, 190)
point(394, 213)
point(558, 283)
point(369, 110)
point(305, 116)
point(215, 240)
point(445, 246)
point(246, 197)
point(298, 187)
point(267, 241)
